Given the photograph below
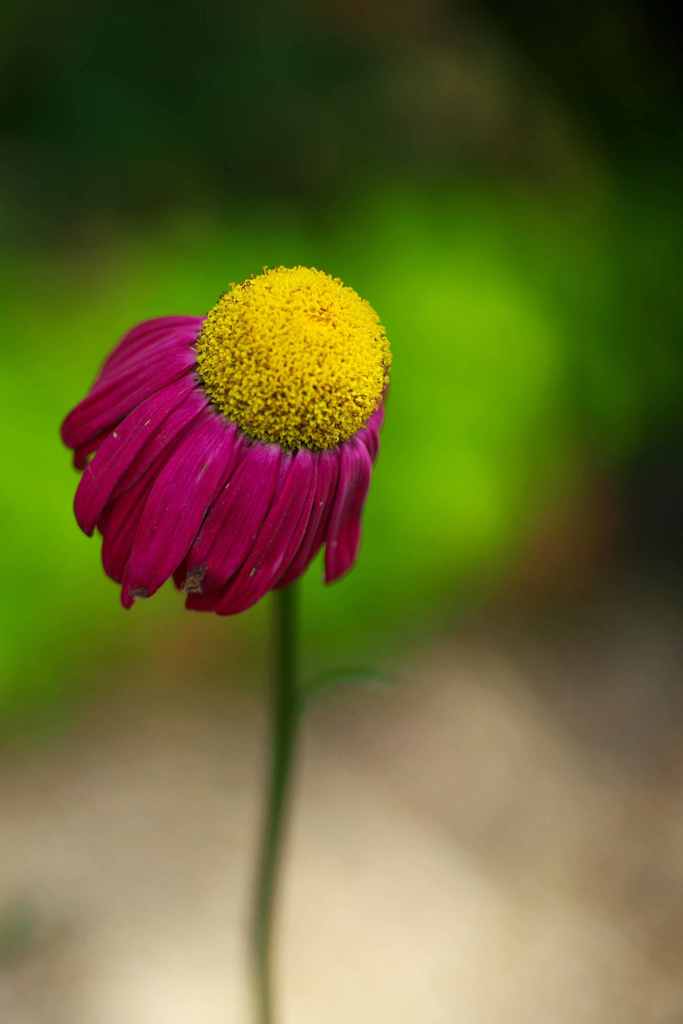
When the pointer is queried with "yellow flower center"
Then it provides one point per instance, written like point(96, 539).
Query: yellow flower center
point(294, 357)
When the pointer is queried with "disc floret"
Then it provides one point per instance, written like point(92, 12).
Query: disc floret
point(294, 357)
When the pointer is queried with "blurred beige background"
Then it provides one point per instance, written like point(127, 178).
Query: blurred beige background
point(495, 835)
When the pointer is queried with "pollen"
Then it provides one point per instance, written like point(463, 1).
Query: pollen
point(294, 357)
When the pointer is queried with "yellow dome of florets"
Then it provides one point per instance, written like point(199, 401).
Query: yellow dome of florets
point(294, 357)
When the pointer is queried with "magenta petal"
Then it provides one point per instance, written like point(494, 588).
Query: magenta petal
point(108, 404)
point(130, 366)
point(343, 535)
point(370, 433)
point(166, 438)
point(119, 449)
point(148, 333)
point(178, 501)
point(320, 514)
point(377, 419)
point(180, 575)
point(82, 454)
point(119, 525)
point(372, 444)
point(145, 367)
point(230, 529)
point(303, 523)
point(278, 539)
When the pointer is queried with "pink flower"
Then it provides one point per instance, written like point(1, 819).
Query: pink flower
point(226, 450)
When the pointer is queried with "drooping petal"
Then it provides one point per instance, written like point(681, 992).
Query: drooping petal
point(343, 535)
point(370, 439)
point(119, 520)
point(230, 529)
point(131, 365)
point(82, 454)
point(303, 523)
point(109, 403)
point(377, 419)
point(369, 435)
point(278, 539)
point(177, 504)
point(145, 334)
point(119, 449)
point(327, 464)
point(166, 437)
point(119, 525)
point(180, 575)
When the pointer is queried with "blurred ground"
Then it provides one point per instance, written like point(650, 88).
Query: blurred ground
point(496, 837)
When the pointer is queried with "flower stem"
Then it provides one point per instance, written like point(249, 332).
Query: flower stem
point(284, 719)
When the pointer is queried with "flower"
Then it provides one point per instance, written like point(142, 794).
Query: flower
point(226, 450)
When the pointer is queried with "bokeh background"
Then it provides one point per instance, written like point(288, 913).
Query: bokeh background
point(494, 832)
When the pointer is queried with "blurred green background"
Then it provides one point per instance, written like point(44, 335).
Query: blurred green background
point(501, 183)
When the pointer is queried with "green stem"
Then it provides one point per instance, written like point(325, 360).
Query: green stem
point(284, 719)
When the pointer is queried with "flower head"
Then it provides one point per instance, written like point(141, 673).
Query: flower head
point(226, 450)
